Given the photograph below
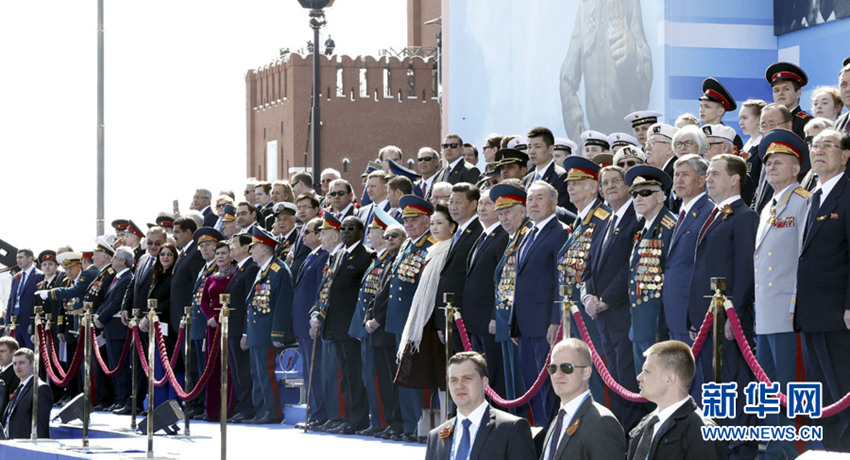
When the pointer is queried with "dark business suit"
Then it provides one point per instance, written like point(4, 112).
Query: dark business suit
point(841, 122)
point(136, 297)
point(300, 251)
point(726, 250)
point(463, 171)
point(606, 276)
point(186, 270)
point(19, 412)
point(823, 295)
point(535, 308)
point(554, 175)
point(453, 276)
point(10, 383)
point(597, 435)
point(115, 333)
point(240, 372)
point(348, 270)
point(209, 217)
point(307, 285)
point(679, 437)
point(500, 435)
point(24, 312)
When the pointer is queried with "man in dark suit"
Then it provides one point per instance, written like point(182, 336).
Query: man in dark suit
point(8, 347)
point(457, 168)
point(341, 197)
point(844, 85)
point(17, 419)
point(496, 434)
point(428, 165)
point(186, 269)
point(823, 291)
point(108, 318)
point(540, 148)
point(536, 315)
point(20, 302)
point(725, 248)
point(674, 428)
point(240, 373)
point(349, 266)
point(376, 186)
point(606, 295)
point(583, 429)
point(463, 204)
point(201, 202)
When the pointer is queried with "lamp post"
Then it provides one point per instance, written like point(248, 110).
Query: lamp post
point(317, 20)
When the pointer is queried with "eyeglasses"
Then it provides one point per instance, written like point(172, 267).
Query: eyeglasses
point(339, 193)
point(427, 158)
point(166, 254)
point(714, 143)
point(220, 205)
point(628, 163)
point(566, 368)
point(610, 182)
point(644, 193)
point(347, 228)
point(823, 146)
point(652, 143)
point(681, 144)
point(452, 145)
point(154, 243)
point(390, 236)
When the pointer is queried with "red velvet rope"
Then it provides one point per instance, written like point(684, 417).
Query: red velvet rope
point(75, 363)
point(54, 359)
point(703, 332)
point(169, 373)
point(538, 384)
point(143, 360)
point(103, 365)
point(741, 339)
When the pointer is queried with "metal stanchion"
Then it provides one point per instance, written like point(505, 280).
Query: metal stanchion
point(134, 346)
point(223, 323)
point(13, 324)
point(448, 299)
point(187, 360)
point(152, 304)
point(718, 285)
point(37, 344)
point(566, 307)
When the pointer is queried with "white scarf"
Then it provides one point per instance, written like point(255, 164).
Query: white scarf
point(423, 299)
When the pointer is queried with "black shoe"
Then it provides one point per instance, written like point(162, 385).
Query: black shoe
point(328, 425)
point(343, 428)
point(266, 420)
point(115, 407)
point(192, 412)
point(200, 417)
point(98, 408)
point(123, 410)
point(237, 418)
point(369, 431)
point(388, 433)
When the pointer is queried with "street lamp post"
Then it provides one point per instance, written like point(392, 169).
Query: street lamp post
point(317, 20)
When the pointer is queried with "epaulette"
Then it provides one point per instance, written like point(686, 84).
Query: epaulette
point(430, 239)
point(803, 115)
point(802, 192)
point(668, 222)
point(110, 270)
point(274, 267)
point(601, 213)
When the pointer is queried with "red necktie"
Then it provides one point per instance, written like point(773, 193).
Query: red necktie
point(707, 223)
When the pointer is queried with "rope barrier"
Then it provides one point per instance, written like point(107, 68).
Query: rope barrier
point(121, 361)
point(143, 362)
point(72, 369)
point(54, 359)
point(169, 373)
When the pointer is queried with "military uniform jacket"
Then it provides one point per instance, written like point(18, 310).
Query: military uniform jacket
point(780, 229)
point(404, 279)
point(646, 274)
point(270, 306)
point(238, 288)
point(72, 296)
point(572, 257)
point(98, 288)
point(823, 272)
point(368, 289)
point(198, 331)
point(505, 279)
point(378, 309)
point(55, 308)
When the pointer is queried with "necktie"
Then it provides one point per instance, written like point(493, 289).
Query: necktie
point(463, 448)
point(642, 450)
point(813, 211)
point(537, 177)
point(556, 434)
point(21, 288)
point(424, 189)
point(528, 242)
point(456, 237)
point(612, 225)
point(847, 127)
point(478, 245)
point(682, 216)
point(707, 223)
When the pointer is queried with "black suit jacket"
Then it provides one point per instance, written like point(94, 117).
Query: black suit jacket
point(680, 437)
point(11, 382)
point(183, 285)
point(463, 171)
point(344, 290)
point(209, 217)
point(479, 291)
point(556, 176)
point(500, 435)
point(136, 295)
point(19, 411)
point(238, 288)
point(299, 254)
point(453, 275)
point(113, 328)
point(597, 435)
point(607, 274)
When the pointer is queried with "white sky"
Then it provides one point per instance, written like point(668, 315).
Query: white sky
point(175, 102)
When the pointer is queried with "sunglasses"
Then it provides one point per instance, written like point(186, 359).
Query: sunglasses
point(644, 193)
point(629, 163)
point(347, 228)
point(452, 145)
point(390, 236)
point(566, 368)
point(339, 193)
point(428, 158)
point(154, 243)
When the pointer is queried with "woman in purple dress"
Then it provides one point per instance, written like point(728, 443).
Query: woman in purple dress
point(214, 286)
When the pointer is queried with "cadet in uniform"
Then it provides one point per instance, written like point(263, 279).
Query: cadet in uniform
point(787, 79)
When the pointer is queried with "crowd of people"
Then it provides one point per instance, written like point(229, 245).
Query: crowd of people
point(631, 228)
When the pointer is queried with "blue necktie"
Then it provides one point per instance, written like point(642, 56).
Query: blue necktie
point(813, 211)
point(20, 290)
point(463, 448)
point(556, 434)
point(527, 245)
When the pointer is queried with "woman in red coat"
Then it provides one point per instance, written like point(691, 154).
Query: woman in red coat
point(214, 286)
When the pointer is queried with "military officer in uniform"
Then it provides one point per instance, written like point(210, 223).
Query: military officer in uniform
point(95, 294)
point(284, 221)
point(648, 186)
point(787, 81)
point(269, 324)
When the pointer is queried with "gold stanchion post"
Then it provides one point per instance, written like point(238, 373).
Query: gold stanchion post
point(566, 307)
point(187, 359)
point(448, 299)
point(718, 285)
point(134, 322)
point(152, 319)
point(223, 323)
point(37, 344)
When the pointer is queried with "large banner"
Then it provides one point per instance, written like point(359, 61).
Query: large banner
point(798, 14)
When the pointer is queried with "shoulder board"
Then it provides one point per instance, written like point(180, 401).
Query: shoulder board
point(668, 222)
point(430, 239)
point(802, 192)
point(803, 115)
point(601, 213)
point(110, 271)
point(274, 267)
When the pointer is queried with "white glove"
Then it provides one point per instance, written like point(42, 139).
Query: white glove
point(42, 294)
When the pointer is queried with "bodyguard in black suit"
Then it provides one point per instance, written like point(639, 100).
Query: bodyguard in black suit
point(17, 418)
point(458, 169)
point(8, 346)
point(823, 282)
point(496, 434)
point(347, 270)
point(725, 248)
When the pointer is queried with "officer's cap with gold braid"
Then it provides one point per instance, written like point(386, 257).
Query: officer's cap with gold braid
point(508, 156)
point(120, 225)
point(785, 71)
point(783, 141)
point(229, 213)
point(102, 244)
point(329, 222)
point(205, 234)
point(506, 195)
point(261, 236)
point(647, 175)
point(132, 227)
point(642, 117)
point(381, 219)
point(414, 206)
point(579, 168)
point(69, 258)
